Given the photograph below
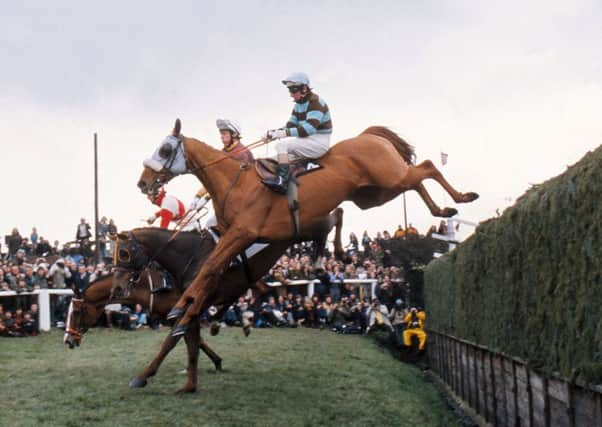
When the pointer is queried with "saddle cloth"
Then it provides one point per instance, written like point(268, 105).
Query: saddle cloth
point(266, 168)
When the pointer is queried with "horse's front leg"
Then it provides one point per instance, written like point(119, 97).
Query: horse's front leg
point(206, 282)
point(168, 344)
point(192, 338)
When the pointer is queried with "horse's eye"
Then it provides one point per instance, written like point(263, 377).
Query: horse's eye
point(123, 255)
point(165, 151)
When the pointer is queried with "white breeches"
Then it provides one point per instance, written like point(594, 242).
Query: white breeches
point(311, 147)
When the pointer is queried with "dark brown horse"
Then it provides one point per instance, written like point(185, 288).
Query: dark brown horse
point(87, 307)
point(369, 170)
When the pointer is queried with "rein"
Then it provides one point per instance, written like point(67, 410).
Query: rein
point(249, 147)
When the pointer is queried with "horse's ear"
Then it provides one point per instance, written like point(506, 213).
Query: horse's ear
point(177, 128)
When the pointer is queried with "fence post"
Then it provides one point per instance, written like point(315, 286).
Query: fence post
point(44, 307)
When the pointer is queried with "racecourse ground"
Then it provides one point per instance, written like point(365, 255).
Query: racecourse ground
point(291, 377)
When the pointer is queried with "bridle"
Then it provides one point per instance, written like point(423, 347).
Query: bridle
point(130, 256)
point(165, 174)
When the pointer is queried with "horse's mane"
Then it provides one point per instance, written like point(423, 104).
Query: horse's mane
point(405, 150)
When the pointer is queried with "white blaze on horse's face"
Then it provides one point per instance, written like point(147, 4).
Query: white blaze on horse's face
point(169, 155)
point(67, 338)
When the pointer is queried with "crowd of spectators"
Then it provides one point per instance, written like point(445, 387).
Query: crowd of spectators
point(31, 263)
point(342, 297)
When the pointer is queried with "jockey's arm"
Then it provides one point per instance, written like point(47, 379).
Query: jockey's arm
point(201, 198)
point(166, 216)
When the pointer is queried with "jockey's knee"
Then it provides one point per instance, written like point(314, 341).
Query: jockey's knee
point(282, 146)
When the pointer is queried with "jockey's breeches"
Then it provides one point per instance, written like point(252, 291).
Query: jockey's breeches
point(310, 147)
point(409, 333)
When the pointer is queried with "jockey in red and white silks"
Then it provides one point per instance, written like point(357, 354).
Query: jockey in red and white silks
point(172, 209)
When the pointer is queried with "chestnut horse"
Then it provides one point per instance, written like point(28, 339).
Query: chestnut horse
point(87, 307)
point(369, 170)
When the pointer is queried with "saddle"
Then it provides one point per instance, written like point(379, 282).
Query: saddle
point(266, 168)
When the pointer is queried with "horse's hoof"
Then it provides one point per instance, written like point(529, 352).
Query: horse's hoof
point(214, 329)
point(186, 389)
point(247, 331)
point(179, 330)
point(448, 212)
point(175, 313)
point(469, 197)
point(137, 383)
point(218, 366)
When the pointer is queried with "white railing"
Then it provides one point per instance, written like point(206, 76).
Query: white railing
point(310, 284)
point(43, 302)
point(44, 295)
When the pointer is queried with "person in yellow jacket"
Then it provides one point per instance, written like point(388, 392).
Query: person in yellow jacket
point(415, 327)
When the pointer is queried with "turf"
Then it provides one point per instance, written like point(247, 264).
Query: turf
point(275, 377)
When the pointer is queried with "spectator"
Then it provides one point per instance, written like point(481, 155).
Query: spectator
point(103, 231)
point(411, 231)
point(59, 274)
point(112, 228)
point(399, 233)
point(33, 237)
point(415, 327)
point(366, 240)
point(336, 278)
point(138, 317)
point(353, 245)
point(81, 277)
point(82, 234)
point(13, 242)
point(43, 248)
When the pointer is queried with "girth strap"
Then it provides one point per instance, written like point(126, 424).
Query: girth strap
point(293, 205)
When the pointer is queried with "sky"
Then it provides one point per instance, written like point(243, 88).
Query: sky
point(511, 91)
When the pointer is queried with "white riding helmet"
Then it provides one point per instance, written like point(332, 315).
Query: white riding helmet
point(296, 79)
point(231, 125)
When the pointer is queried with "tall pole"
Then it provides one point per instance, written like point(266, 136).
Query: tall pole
point(405, 213)
point(97, 242)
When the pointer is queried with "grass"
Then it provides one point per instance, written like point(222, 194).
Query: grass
point(275, 377)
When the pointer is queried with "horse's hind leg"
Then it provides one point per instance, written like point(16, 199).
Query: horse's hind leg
point(192, 338)
point(430, 171)
point(435, 210)
point(217, 361)
point(168, 344)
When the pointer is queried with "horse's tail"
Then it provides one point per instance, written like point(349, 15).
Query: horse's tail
point(405, 150)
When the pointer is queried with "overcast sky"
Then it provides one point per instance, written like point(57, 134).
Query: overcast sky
point(512, 91)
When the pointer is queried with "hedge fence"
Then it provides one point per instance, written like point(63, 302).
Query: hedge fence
point(529, 283)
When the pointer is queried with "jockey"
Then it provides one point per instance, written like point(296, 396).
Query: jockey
point(230, 134)
point(171, 208)
point(306, 134)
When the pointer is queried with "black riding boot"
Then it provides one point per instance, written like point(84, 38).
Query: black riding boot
point(279, 183)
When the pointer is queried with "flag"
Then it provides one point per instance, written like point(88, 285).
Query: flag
point(443, 158)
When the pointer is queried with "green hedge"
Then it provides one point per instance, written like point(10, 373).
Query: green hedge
point(529, 283)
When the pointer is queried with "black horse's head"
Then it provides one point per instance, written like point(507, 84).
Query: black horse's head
point(130, 258)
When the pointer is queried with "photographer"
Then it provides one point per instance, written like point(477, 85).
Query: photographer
point(415, 327)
